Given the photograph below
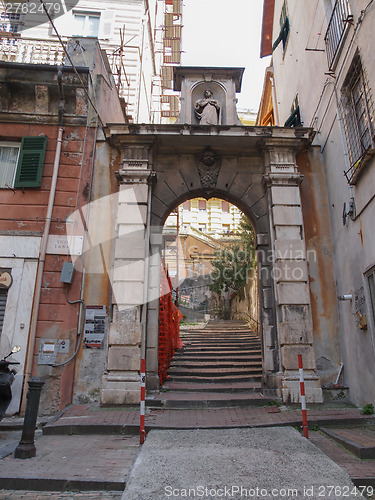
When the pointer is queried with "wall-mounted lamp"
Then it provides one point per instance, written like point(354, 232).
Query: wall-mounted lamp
point(345, 297)
point(348, 211)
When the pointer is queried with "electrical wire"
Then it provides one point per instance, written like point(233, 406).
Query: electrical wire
point(70, 60)
point(80, 330)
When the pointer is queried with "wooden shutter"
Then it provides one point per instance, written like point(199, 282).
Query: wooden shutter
point(107, 22)
point(31, 161)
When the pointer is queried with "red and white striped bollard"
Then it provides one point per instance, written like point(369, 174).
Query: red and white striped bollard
point(303, 397)
point(142, 432)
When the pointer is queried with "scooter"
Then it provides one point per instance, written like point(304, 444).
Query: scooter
point(6, 380)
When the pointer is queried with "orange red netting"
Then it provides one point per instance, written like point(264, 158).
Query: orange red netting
point(169, 326)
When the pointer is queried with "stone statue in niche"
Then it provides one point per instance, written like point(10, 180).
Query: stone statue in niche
point(208, 110)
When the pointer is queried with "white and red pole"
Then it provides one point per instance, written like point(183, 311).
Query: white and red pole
point(303, 397)
point(142, 432)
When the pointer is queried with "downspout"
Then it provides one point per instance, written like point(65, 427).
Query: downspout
point(42, 255)
point(146, 269)
point(274, 101)
point(141, 67)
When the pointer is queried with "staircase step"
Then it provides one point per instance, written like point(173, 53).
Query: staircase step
point(210, 336)
point(360, 441)
point(198, 400)
point(218, 366)
point(216, 387)
point(216, 348)
point(199, 352)
point(183, 359)
point(235, 370)
point(204, 365)
point(217, 379)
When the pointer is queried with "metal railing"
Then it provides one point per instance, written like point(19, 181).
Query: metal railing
point(337, 29)
point(31, 51)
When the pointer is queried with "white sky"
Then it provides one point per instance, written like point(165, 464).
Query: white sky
point(226, 33)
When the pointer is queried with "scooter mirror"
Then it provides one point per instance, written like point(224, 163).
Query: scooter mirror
point(16, 348)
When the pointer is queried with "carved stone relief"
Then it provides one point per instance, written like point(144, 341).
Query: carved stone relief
point(208, 163)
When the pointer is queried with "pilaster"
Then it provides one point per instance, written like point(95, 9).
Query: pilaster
point(290, 276)
point(121, 383)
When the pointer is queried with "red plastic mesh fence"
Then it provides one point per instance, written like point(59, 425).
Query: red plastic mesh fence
point(169, 326)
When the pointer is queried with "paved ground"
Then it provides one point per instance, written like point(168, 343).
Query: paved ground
point(72, 462)
point(99, 449)
point(57, 495)
point(80, 417)
point(234, 463)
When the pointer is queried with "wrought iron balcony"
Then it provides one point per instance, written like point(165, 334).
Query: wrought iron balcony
point(337, 29)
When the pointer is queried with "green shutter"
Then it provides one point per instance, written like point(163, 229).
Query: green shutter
point(294, 119)
point(31, 161)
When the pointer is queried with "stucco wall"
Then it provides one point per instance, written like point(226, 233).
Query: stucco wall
point(244, 305)
point(304, 73)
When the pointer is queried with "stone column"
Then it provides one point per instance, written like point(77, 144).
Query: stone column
point(290, 275)
point(266, 312)
point(121, 383)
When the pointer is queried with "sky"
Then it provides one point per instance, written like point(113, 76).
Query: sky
point(222, 33)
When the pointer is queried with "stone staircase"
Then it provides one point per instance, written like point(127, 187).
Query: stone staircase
point(219, 366)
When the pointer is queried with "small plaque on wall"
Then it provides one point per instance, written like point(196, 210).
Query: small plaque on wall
point(95, 326)
point(64, 245)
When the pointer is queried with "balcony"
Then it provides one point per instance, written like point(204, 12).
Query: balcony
point(337, 29)
point(31, 51)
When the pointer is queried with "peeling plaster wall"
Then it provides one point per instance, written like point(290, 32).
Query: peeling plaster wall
point(98, 263)
point(324, 305)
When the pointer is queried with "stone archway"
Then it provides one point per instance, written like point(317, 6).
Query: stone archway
point(253, 167)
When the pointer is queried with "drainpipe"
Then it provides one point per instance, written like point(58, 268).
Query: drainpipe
point(42, 256)
point(274, 101)
point(146, 269)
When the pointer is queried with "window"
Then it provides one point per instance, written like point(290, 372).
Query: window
point(225, 206)
point(294, 119)
point(226, 228)
point(86, 24)
point(8, 162)
point(358, 118)
point(336, 32)
point(202, 228)
point(202, 205)
point(186, 205)
point(284, 28)
point(21, 165)
point(10, 22)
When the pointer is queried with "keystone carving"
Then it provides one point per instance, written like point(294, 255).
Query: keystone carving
point(208, 165)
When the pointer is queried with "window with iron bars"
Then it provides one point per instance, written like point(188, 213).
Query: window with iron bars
point(337, 30)
point(358, 115)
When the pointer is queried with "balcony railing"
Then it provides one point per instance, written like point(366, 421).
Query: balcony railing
point(337, 30)
point(31, 51)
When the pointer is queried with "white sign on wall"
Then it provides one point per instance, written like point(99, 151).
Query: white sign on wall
point(64, 245)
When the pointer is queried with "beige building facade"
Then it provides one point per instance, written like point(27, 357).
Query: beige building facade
point(142, 40)
point(322, 76)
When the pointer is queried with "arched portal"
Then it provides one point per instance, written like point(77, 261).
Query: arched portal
point(254, 168)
